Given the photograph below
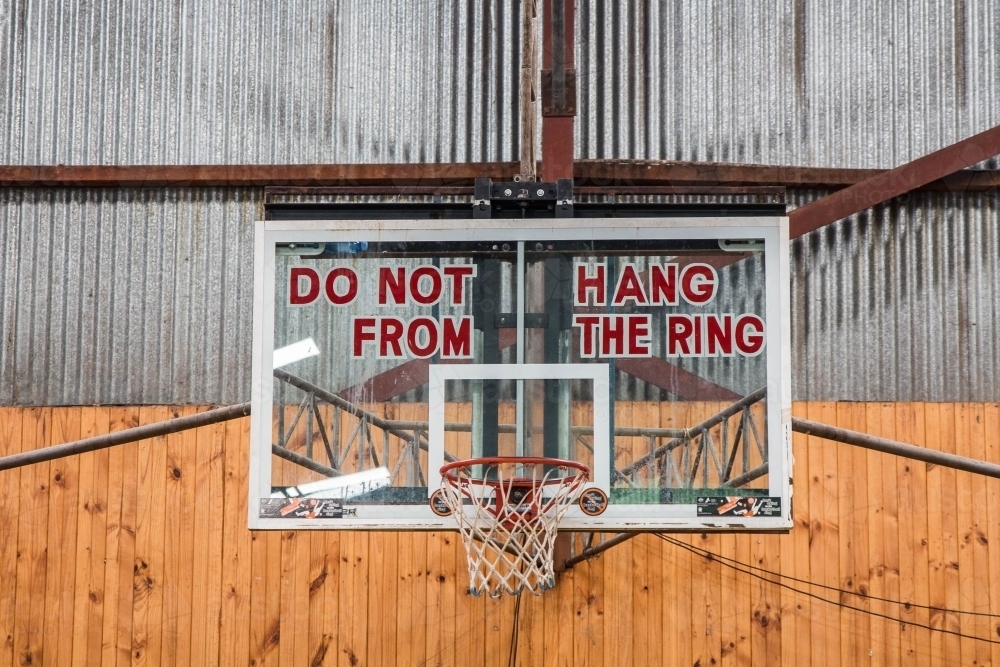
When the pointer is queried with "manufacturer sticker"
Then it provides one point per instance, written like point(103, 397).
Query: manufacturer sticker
point(304, 508)
point(743, 506)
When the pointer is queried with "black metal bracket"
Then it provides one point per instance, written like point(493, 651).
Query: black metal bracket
point(481, 199)
point(557, 197)
point(564, 198)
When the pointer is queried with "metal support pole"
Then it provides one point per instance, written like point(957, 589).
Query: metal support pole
point(126, 436)
point(485, 308)
point(558, 294)
point(308, 463)
point(529, 100)
point(931, 456)
point(590, 552)
point(522, 414)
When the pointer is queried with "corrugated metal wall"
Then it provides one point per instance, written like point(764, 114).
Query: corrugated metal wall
point(205, 82)
point(869, 84)
point(799, 82)
point(900, 303)
point(144, 296)
point(126, 296)
point(112, 296)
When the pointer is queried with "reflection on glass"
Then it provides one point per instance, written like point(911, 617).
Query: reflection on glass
point(357, 326)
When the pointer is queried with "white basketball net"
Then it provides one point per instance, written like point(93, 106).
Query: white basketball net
point(508, 515)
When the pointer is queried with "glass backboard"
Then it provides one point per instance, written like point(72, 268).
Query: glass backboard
point(653, 350)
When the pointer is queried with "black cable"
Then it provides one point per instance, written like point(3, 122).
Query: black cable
point(515, 632)
point(876, 614)
point(864, 596)
point(471, 628)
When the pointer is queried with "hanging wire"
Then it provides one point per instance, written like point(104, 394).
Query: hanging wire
point(714, 556)
point(745, 568)
point(515, 632)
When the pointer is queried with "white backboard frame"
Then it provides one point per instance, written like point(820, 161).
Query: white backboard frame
point(644, 517)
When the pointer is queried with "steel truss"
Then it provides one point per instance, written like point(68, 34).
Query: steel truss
point(726, 450)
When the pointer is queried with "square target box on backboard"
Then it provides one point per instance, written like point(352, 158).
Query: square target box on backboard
point(653, 351)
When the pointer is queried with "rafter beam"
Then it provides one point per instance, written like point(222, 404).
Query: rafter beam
point(591, 176)
point(895, 182)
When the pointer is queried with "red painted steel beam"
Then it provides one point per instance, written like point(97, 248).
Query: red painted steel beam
point(612, 173)
point(390, 175)
point(667, 376)
point(389, 384)
point(657, 372)
point(890, 184)
point(401, 379)
point(557, 149)
point(590, 176)
point(557, 127)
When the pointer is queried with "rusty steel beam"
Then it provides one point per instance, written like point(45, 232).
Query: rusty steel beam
point(591, 177)
point(890, 184)
point(389, 175)
point(612, 175)
point(558, 88)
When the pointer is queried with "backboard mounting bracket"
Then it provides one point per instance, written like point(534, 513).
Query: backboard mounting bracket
point(555, 199)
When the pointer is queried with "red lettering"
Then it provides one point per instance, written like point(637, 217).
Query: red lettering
point(456, 338)
point(586, 283)
point(457, 273)
point(749, 334)
point(364, 332)
point(680, 329)
point(413, 337)
point(663, 284)
point(390, 335)
point(698, 351)
point(587, 324)
point(392, 285)
point(434, 276)
point(719, 335)
point(629, 287)
point(698, 282)
point(638, 335)
point(612, 334)
point(346, 297)
point(295, 277)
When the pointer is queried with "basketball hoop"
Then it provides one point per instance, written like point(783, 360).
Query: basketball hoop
point(508, 511)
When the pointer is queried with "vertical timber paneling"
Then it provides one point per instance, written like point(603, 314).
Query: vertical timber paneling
point(140, 555)
point(10, 502)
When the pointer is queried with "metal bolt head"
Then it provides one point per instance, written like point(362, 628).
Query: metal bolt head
point(507, 192)
point(541, 192)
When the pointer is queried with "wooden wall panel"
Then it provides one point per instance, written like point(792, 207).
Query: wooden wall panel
point(140, 555)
